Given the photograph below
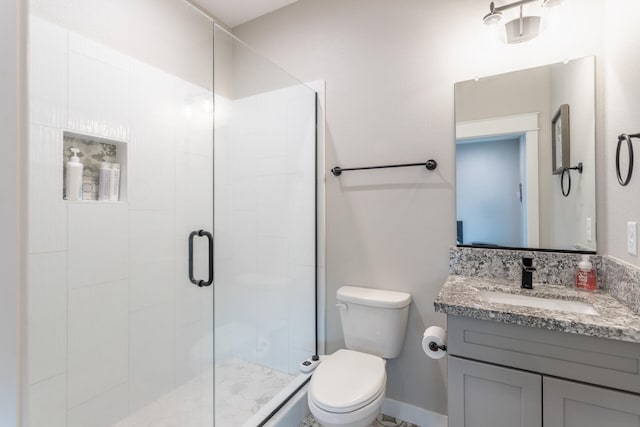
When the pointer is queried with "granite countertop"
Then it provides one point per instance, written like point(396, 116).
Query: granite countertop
point(461, 296)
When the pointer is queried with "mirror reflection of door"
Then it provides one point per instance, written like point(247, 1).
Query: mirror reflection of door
point(490, 179)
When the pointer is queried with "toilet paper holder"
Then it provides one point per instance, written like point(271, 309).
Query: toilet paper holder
point(433, 346)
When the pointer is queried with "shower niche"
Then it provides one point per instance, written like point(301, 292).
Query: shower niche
point(96, 153)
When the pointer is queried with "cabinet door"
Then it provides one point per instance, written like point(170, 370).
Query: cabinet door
point(569, 404)
point(483, 395)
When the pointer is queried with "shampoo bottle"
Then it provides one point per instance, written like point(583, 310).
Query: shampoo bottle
point(115, 182)
point(104, 188)
point(74, 176)
point(586, 275)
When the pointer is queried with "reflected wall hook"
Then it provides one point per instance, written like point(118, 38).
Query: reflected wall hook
point(627, 138)
point(567, 171)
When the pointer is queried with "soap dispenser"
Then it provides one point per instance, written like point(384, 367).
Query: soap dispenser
point(586, 275)
point(74, 176)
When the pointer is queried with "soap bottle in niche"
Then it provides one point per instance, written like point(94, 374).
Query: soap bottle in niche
point(114, 195)
point(104, 188)
point(73, 180)
point(586, 275)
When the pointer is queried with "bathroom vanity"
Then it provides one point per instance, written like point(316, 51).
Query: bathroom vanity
point(517, 361)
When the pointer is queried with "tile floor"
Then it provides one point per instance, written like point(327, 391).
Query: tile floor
point(381, 421)
point(242, 389)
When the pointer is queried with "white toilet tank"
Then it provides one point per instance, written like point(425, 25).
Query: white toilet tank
point(374, 321)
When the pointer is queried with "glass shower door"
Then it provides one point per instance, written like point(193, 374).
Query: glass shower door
point(117, 332)
point(265, 213)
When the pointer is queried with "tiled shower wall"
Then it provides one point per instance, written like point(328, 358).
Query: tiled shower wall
point(113, 320)
point(265, 199)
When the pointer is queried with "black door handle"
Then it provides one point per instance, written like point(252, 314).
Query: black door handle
point(209, 237)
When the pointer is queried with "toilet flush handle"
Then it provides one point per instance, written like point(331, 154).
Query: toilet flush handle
point(342, 306)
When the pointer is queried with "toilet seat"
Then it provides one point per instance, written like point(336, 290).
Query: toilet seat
point(347, 381)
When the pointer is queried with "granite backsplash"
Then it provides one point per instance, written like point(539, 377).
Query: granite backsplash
point(622, 280)
point(554, 268)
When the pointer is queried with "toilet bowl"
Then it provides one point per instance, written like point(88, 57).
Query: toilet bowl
point(347, 389)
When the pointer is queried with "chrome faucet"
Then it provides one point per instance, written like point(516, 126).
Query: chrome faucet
point(527, 272)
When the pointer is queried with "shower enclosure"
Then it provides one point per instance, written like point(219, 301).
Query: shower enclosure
point(189, 297)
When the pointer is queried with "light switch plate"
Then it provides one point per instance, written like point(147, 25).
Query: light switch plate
point(632, 237)
point(588, 230)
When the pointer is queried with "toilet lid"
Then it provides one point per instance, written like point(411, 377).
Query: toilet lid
point(347, 380)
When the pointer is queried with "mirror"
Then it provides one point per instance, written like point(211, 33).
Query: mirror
point(525, 158)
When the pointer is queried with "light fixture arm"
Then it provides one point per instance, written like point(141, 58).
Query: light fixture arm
point(493, 8)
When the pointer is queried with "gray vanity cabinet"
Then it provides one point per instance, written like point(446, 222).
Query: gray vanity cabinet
point(516, 376)
point(569, 404)
point(484, 395)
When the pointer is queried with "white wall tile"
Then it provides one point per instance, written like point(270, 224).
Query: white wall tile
point(47, 312)
point(153, 90)
point(244, 192)
point(206, 347)
point(48, 55)
point(152, 161)
point(223, 342)
point(98, 97)
point(152, 258)
point(273, 344)
point(48, 402)
point(271, 178)
point(103, 410)
point(244, 227)
point(187, 294)
point(151, 354)
point(272, 258)
point(245, 340)
point(98, 340)
point(223, 289)
point(80, 44)
point(272, 205)
point(194, 193)
point(267, 115)
point(271, 166)
point(188, 353)
point(273, 294)
point(47, 210)
point(301, 129)
point(98, 243)
point(194, 119)
point(301, 309)
point(206, 327)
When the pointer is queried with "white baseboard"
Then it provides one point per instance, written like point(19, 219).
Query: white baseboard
point(413, 414)
point(296, 409)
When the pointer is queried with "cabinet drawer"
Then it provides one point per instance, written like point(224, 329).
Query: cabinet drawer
point(594, 360)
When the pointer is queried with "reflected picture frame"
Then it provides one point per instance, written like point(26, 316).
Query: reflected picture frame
point(560, 140)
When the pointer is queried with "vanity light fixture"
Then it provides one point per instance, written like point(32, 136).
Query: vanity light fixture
point(522, 28)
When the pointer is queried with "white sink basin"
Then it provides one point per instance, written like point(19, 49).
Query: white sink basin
point(536, 302)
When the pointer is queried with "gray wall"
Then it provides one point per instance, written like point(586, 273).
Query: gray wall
point(390, 67)
point(12, 87)
point(621, 111)
point(568, 220)
point(166, 34)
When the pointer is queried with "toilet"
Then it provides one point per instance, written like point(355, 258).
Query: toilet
point(348, 387)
